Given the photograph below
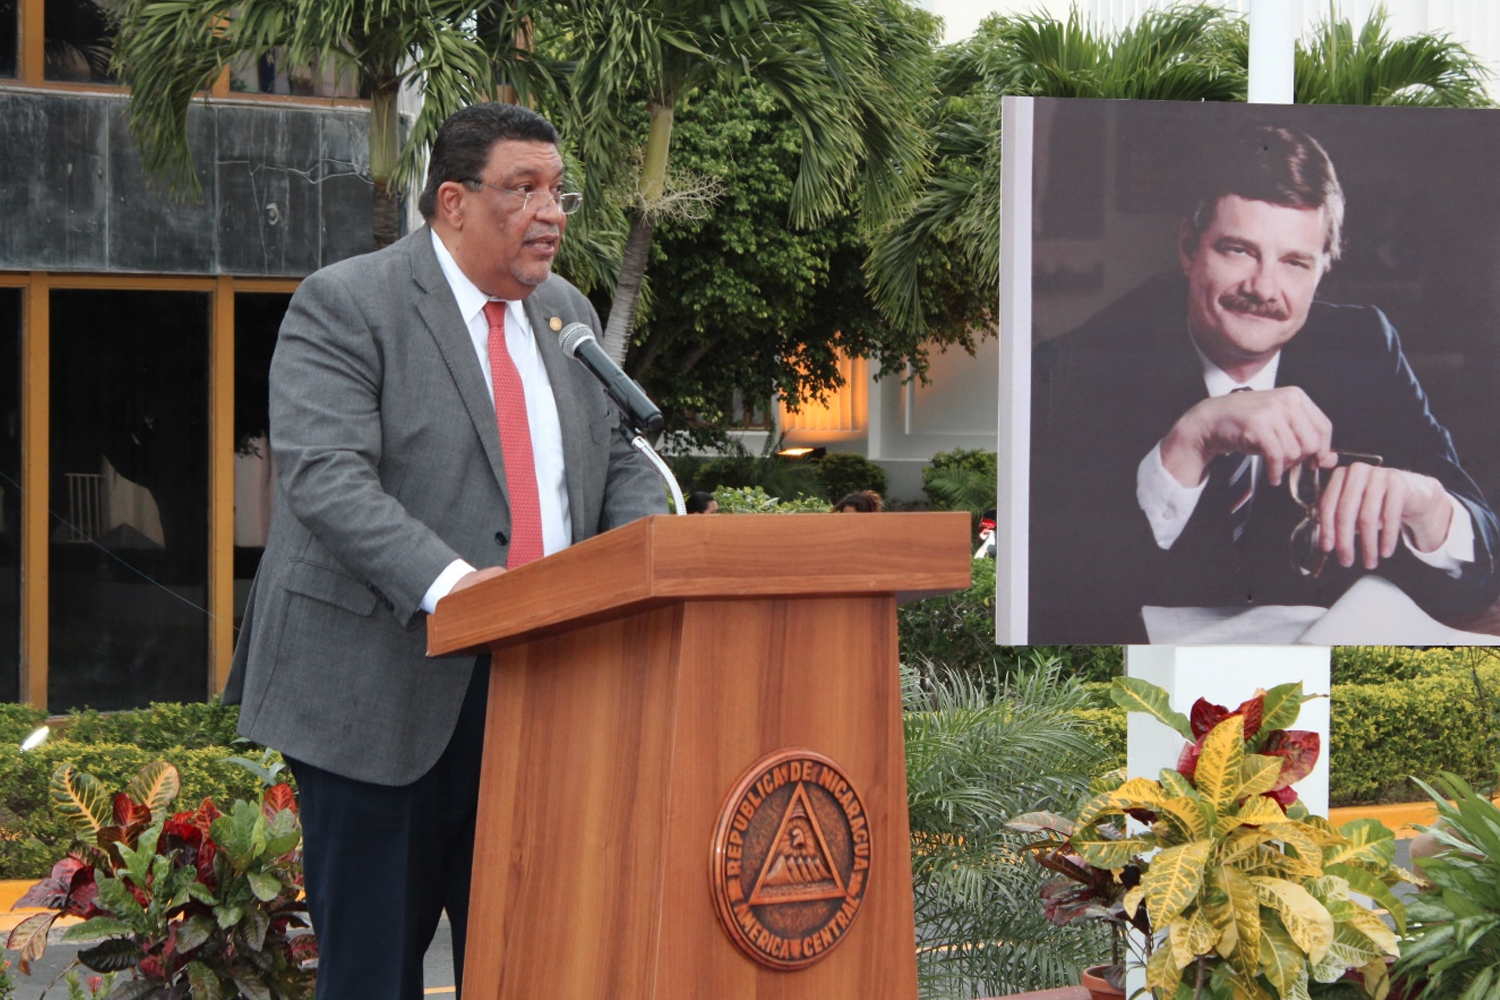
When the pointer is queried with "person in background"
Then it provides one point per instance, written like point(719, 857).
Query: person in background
point(700, 502)
point(859, 502)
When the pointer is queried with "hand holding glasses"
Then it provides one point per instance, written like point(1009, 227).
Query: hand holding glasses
point(1305, 483)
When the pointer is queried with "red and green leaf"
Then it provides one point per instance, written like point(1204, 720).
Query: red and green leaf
point(1298, 750)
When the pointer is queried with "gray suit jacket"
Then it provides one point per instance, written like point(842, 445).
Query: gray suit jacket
point(389, 468)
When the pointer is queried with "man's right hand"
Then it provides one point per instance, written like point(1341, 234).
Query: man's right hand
point(1282, 425)
point(477, 576)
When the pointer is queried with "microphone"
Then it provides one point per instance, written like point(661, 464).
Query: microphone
point(578, 342)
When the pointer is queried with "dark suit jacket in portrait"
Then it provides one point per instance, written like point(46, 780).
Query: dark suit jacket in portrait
point(389, 468)
point(1105, 394)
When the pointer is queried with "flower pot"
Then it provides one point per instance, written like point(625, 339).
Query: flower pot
point(1099, 989)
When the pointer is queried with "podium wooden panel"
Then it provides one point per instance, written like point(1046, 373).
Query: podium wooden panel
point(636, 677)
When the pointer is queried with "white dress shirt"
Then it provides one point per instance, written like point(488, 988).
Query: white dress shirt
point(1168, 505)
point(541, 413)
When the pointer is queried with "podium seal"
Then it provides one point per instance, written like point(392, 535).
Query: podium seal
point(790, 860)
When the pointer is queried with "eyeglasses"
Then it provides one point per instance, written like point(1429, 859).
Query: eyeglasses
point(1305, 483)
point(567, 202)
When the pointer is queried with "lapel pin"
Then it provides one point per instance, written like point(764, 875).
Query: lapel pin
point(555, 323)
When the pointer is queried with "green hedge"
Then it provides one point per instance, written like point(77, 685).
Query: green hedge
point(195, 737)
point(1381, 733)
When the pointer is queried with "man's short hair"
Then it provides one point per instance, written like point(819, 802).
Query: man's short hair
point(1282, 166)
point(463, 143)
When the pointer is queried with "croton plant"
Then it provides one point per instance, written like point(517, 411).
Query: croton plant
point(1240, 893)
point(199, 904)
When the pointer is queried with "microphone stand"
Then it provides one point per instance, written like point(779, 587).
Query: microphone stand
point(639, 444)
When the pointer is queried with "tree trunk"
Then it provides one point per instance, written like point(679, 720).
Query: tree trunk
point(384, 150)
point(638, 244)
point(628, 289)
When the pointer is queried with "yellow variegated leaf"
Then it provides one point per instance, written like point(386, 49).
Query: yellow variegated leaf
point(1243, 986)
point(1362, 840)
point(1162, 972)
point(1218, 773)
point(1175, 786)
point(1363, 882)
point(1242, 844)
point(1258, 810)
point(1272, 863)
point(1351, 950)
point(1187, 816)
point(1173, 880)
point(1280, 959)
point(1132, 900)
point(1330, 890)
point(1202, 934)
point(1179, 945)
point(1306, 920)
point(1137, 793)
point(1258, 773)
point(155, 786)
point(1295, 837)
point(1104, 852)
point(1229, 939)
point(1370, 926)
point(1244, 903)
point(1377, 979)
point(82, 800)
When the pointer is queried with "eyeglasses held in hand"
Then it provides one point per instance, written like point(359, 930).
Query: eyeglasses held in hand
point(1305, 483)
point(568, 202)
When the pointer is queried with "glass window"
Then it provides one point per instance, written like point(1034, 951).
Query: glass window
point(10, 494)
point(129, 493)
point(80, 39)
point(9, 37)
point(257, 317)
point(271, 75)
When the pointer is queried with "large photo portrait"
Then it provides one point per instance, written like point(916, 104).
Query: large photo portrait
point(1250, 356)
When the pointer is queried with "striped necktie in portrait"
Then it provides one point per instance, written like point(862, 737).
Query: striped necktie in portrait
point(1244, 470)
point(515, 446)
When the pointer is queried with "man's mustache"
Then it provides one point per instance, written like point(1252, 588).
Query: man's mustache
point(542, 233)
point(1252, 305)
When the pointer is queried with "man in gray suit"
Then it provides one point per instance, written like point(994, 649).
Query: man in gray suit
point(427, 432)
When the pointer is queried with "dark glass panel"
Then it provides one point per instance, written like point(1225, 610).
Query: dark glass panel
point(257, 317)
point(9, 37)
point(129, 495)
point(10, 494)
point(79, 40)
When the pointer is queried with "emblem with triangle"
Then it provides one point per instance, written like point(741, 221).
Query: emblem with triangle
point(798, 868)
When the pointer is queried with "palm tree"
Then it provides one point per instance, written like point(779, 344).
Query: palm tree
point(1183, 53)
point(848, 71)
point(168, 51)
point(1337, 66)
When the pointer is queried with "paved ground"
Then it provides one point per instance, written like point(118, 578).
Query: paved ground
point(438, 970)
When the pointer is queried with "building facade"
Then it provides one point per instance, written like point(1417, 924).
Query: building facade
point(135, 335)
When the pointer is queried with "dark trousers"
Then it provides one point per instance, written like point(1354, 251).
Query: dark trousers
point(382, 863)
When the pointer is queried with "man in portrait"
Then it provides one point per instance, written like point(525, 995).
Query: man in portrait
point(1220, 438)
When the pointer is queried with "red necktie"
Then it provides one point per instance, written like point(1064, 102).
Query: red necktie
point(515, 445)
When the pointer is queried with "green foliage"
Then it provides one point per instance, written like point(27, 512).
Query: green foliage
point(979, 751)
point(198, 901)
point(755, 500)
point(1380, 733)
point(844, 472)
point(1246, 892)
point(1338, 65)
point(1454, 949)
point(161, 726)
point(33, 835)
point(743, 298)
point(1379, 664)
point(18, 722)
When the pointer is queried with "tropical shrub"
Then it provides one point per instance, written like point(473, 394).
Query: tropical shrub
point(844, 472)
point(962, 479)
point(1245, 893)
point(193, 904)
point(755, 500)
point(1454, 949)
point(978, 752)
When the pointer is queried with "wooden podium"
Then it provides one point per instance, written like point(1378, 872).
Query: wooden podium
point(637, 679)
